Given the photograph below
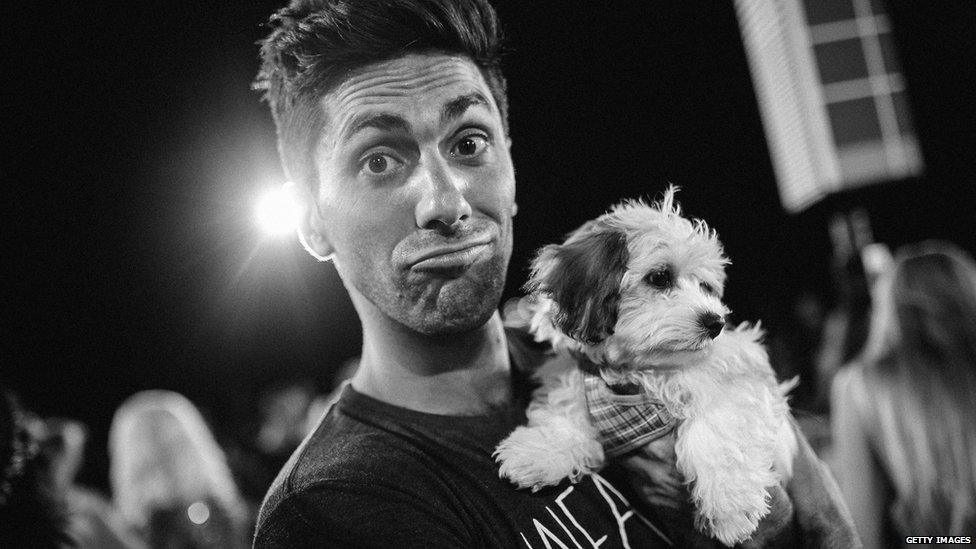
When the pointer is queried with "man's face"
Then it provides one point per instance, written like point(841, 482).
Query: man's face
point(416, 191)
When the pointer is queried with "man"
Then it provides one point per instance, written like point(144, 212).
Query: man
point(392, 122)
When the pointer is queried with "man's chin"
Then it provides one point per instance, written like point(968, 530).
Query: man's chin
point(437, 305)
point(456, 305)
point(454, 311)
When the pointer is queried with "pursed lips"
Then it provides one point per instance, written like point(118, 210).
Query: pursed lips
point(450, 256)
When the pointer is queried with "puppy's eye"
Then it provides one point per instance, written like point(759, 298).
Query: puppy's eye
point(660, 279)
point(707, 288)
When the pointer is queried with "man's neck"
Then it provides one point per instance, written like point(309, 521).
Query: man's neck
point(459, 374)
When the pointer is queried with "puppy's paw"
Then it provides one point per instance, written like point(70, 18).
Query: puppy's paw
point(733, 530)
point(533, 457)
point(734, 519)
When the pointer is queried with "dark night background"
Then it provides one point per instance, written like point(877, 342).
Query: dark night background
point(130, 251)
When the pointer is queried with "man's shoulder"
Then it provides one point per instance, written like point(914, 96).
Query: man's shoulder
point(353, 443)
point(339, 450)
point(348, 473)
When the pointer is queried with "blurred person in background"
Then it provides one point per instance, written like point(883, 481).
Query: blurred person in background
point(277, 427)
point(41, 505)
point(845, 326)
point(794, 344)
point(282, 409)
point(32, 512)
point(92, 519)
point(904, 414)
point(170, 478)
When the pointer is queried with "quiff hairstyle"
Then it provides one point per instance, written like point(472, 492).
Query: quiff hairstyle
point(315, 44)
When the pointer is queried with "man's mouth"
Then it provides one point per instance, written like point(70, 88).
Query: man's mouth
point(447, 257)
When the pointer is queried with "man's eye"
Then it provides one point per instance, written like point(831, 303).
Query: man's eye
point(470, 145)
point(380, 164)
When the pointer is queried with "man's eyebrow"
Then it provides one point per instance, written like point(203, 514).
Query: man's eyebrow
point(454, 108)
point(382, 121)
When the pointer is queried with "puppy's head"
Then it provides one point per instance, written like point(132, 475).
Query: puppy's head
point(642, 283)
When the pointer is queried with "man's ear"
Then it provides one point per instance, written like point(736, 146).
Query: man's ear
point(311, 225)
point(582, 276)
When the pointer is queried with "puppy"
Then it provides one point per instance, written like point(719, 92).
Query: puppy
point(635, 297)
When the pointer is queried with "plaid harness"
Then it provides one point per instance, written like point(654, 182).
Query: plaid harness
point(625, 422)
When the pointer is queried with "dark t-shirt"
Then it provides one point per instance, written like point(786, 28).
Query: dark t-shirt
point(377, 475)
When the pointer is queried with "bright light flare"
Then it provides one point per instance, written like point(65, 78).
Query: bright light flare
point(278, 211)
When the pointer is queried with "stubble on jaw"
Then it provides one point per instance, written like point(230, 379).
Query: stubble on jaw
point(443, 306)
point(429, 304)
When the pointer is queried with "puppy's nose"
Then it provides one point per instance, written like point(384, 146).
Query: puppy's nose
point(713, 323)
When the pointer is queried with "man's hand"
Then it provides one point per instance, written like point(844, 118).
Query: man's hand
point(654, 475)
point(808, 512)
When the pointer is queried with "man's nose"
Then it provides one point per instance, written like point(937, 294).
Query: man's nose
point(442, 203)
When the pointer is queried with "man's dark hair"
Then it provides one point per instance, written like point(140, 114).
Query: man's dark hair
point(315, 44)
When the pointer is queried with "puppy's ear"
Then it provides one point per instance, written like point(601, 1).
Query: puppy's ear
point(582, 277)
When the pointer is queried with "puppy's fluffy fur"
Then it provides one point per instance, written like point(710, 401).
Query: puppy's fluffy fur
point(638, 292)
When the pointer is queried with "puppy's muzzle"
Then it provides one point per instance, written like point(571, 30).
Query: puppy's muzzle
point(712, 323)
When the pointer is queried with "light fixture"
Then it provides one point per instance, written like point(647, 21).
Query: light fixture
point(278, 211)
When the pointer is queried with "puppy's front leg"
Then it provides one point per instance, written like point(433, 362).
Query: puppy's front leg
point(729, 475)
point(542, 455)
point(558, 442)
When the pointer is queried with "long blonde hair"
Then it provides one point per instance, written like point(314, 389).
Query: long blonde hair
point(920, 366)
point(163, 454)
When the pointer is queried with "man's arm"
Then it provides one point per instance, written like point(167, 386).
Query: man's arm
point(821, 513)
point(809, 512)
